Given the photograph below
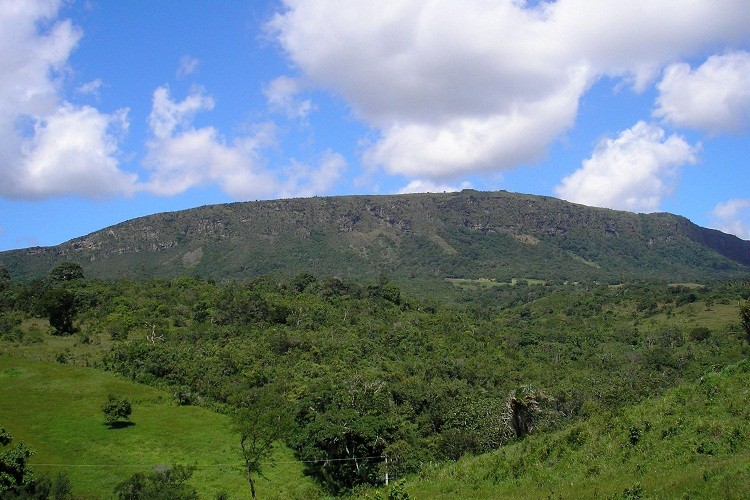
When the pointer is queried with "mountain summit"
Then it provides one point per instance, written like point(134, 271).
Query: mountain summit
point(468, 234)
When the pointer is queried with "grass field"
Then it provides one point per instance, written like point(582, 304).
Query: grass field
point(55, 409)
point(694, 442)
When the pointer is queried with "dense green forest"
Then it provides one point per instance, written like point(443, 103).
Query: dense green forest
point(361, 379)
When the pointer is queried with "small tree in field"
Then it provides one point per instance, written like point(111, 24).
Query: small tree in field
point(116, 409)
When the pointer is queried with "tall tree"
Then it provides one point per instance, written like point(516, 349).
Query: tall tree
point(60, 305)
point(262, 419)
point(745, 318)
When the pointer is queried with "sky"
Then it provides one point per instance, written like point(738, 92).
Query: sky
point(114, 110)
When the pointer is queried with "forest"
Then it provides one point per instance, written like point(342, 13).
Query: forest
point(363, 381)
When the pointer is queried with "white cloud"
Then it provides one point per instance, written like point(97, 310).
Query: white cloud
point(49, 147)
point(457, 87)
point(188, 66)
point(632, 172)
point(90, 88)
point(303, 180)
point(167, 115)
point(714, 97)
point(282, 96)
point(733, 217)
point(181, 157)
point(426, 186)
point(470, 144)
point(73, 151)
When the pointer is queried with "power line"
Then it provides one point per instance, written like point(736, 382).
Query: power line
point(209, 465)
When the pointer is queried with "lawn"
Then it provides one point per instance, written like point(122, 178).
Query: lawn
point(55, 409)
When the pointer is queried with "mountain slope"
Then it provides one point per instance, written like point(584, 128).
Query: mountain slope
point(468, 234)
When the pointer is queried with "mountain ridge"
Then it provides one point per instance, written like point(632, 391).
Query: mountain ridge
point(463, 234)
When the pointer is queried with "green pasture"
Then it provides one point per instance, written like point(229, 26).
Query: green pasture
point(55, 409)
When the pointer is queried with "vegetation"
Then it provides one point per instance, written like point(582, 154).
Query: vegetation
point(262, 419)
point(116, 410)
point(691, 442)
point(15, 477)
point(56, 412)
point(163, 483)
point(415, 239)
point(358, 380)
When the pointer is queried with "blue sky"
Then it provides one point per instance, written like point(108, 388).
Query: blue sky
point(114, 110)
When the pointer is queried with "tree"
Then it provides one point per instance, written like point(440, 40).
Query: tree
point(163, 483)
point(745, 318)
point(67, 271)
point(116, 409)
point(57, 488)
point(16, 479)
point(60, 306)
point(4, 279)
point(524, 408)
point(349, 426)
point(262, 419)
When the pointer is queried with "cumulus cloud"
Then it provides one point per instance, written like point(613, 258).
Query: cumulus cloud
point(282, 95)
point(426, 186)
point(457, 87)
point(714, 97)
point(168, 115)
point(632, 172)
point(188, 66)
point(73, 151)
point(733, 217)
point(181, 156)
point(303, 180)
point(49, 147)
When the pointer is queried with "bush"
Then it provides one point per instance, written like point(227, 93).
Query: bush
point(116, 409)
point(163, 483)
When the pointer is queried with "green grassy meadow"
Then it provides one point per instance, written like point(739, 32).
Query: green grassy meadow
point(693, 442)
point(55, 410)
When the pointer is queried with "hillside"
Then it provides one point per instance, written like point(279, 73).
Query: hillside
point(690, 443)
point(470, 234)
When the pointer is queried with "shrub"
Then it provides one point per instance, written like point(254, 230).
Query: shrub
point(116, 409)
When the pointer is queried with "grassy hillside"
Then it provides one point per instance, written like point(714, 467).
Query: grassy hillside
point(55, 409)
point(693, 442)
point(412, 237)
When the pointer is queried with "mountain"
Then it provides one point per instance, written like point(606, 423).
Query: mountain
point(469, 234)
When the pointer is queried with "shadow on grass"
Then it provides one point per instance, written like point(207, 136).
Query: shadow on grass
point(120, 425)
